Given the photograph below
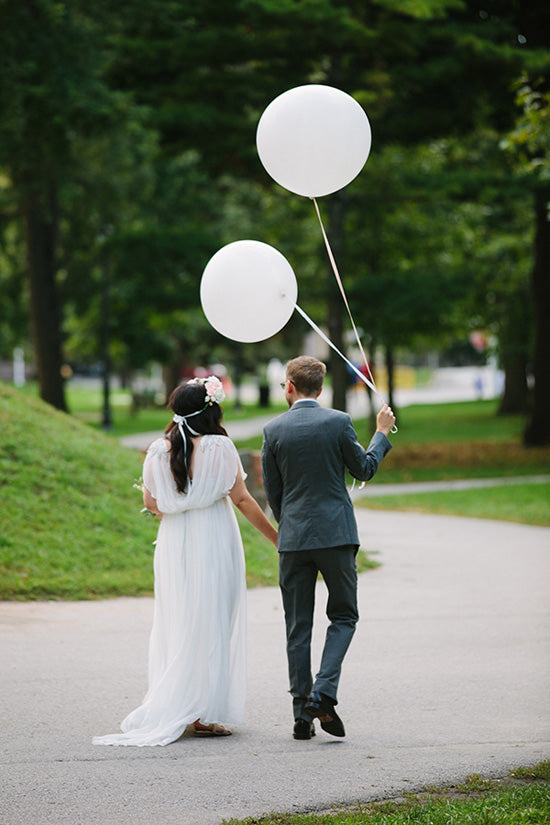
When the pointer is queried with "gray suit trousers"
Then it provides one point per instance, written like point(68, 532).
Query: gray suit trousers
point(297, 577)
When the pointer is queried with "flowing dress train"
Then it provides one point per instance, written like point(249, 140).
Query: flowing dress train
point(197, 650)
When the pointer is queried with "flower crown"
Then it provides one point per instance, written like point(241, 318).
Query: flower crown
point(214, 395)
point(214, 389)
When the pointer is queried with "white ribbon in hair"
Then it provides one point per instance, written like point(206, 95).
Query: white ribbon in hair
point(179, 419)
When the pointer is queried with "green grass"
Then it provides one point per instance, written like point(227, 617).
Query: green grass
point(71, 522)
point(71, 526)
point(460, 440)
point(453, 423)
point(524, 503)
point(155, 419)
point(86, 404)
point(521, 797)
point(452, 441)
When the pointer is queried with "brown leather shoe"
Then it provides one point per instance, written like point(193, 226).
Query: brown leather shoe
point(321, 707)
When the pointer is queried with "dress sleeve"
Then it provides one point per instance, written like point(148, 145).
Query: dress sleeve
point(151, 463)
point(158, 479)
point(216, 466)
point(222, 465)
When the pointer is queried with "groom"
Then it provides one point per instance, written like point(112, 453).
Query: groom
point(305, 454)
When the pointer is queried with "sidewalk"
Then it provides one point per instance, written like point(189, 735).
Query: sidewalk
point(448, 675)
point(376, 490)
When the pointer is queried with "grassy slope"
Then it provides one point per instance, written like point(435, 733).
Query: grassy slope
point(68, 507)
point(70, 520)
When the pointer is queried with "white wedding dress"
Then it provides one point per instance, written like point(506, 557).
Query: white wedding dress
point(197, 652)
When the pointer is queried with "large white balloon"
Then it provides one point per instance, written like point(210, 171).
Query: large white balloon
point(313, 140)
point(248, 291)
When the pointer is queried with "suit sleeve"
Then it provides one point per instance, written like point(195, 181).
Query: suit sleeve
point(362, 463)
point(273, 482)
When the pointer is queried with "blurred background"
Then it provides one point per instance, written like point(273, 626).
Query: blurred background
point(127, 158)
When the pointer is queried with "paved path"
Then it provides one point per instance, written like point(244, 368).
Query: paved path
point(237, 430)
point(449, 674)
point(375, 490)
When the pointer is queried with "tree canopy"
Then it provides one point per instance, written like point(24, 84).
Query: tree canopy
point(128, 154)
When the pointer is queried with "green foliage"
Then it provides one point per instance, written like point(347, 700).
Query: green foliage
point(49, 85)
point(13, 306)
point(529, 141)
point(140, 118)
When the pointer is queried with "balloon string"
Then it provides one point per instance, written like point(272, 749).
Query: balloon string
point(327, 340)
point(343, 291)
point(352, 366)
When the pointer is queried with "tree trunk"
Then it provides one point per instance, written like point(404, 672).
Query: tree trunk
point(514, 398)
point(40, 224)
point(173, 371)
point(336, 305)
point(537, 432)
point(515, 346)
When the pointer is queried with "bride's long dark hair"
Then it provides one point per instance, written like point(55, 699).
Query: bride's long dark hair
point(185, 399)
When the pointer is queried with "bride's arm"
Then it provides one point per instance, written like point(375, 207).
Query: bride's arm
point(150, 503)
point(251, 510)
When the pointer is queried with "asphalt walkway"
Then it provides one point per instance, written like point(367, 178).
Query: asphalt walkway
point(448, 675)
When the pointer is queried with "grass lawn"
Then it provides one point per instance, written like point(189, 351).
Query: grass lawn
point(524, 503)
point(521, 797)
point(71, 522)
point(71, 526)
point(86, 404)
point(445, 441)
point(442, 442)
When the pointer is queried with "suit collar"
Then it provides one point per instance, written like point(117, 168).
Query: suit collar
point(304, 402)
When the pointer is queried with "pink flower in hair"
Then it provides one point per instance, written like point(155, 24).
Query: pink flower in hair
point(214, 389)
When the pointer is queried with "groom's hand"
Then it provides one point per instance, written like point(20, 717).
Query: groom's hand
point(385, 420)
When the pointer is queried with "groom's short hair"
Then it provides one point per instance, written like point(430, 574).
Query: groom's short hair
point(307, 374)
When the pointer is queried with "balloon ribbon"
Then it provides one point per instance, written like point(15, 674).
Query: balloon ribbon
point(370, 381)
point(343, 291)
point(327, 340)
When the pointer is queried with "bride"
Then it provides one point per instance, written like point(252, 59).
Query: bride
point(197, 650)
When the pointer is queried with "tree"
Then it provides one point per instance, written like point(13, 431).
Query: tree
point(56, 105)
point(13, 306)
point(406, 258)
point(202, 74)
point(529, 142)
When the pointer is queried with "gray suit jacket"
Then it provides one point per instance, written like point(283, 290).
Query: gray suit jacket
point(305, 454)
